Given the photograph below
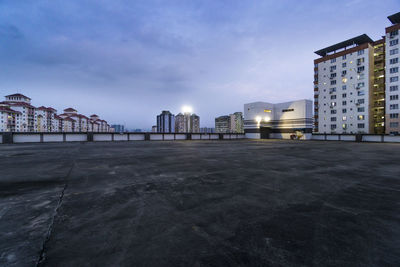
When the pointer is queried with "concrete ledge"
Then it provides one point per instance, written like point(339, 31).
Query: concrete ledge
point(156, 137)
point(102, 137)
point(180, 136)
point(214, 136)
point(26, 138)
point(136, 137)
point(120, 137)
point(253, 135)
point(389, 138)
point(53, 137)
point(75, 137)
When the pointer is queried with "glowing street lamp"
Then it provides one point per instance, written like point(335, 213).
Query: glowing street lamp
point(187, 109)
point(258, 120)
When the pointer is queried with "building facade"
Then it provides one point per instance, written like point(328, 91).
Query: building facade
point(207, 130)
point(18, 115)
point(356, 85)
point(187, 123)
point(392, 48)
point(118, 128)
point(166, 122)
point(267, 120)
point(223, 124)
point(232, 123)
point(236, 122)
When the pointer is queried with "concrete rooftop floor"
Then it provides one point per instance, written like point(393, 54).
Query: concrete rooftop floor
point(200, 203)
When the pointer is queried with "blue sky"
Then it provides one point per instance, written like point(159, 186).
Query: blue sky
point(128, 60)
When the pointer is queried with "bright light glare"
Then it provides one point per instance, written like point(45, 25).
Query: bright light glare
point(267, 119)
point(187, 109)
point(258, 119)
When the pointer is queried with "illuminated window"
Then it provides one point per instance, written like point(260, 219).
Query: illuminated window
point(267, 110)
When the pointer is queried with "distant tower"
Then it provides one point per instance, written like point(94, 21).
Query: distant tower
point(194, 123)
point(236, 122)
point(166, 122)
point(180, 125)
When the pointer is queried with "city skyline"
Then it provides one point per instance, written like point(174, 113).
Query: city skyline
point(143, 57)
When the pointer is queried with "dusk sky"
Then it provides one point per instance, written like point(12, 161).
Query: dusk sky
point(128, 60)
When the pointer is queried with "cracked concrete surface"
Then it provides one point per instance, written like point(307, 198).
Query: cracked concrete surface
point(200, 203)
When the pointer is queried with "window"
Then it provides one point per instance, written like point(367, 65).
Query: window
point(394, 51)
point(394, 42)
point(333, 104)
point(360, 69)
point(361, 109)
point(333, 119)
point(344, 103)
point(361, 92)
point(360, 117)
point(394, 106)
point(333, 126)
point(344, 95)
point(344, 72)
point(333, 60)
point(333, 111)
point(333, 96)
point(394, 60)
point(344, 65)
point(361, 125)
point(344, 126)
point(344, 118)
point(360, 60)
point(360, 101)
point(333, 75)
point(333, 68)
point(360, 85)
point(394, 124)
point(332, 90)
point(394, 97)
point(394, 88)
point(361, 52)
point(394, 33)
point(344, 87)
point(344, 57)
point(333, 82)
point(344, 110)
point(394, 115)
point(394, 70)
point(394, 79)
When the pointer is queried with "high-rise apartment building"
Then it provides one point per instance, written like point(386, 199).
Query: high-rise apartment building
point(25, 122)
point(194, 123)
point(166, 122)
point(236, 122)
point(232, 123)
point(223, 124)
point(392, 75)
point(356, 85)
point(187, 123)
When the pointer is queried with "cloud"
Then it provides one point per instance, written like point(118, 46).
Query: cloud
point(124, 59)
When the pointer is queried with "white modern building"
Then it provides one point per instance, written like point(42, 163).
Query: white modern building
point(266, 120)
